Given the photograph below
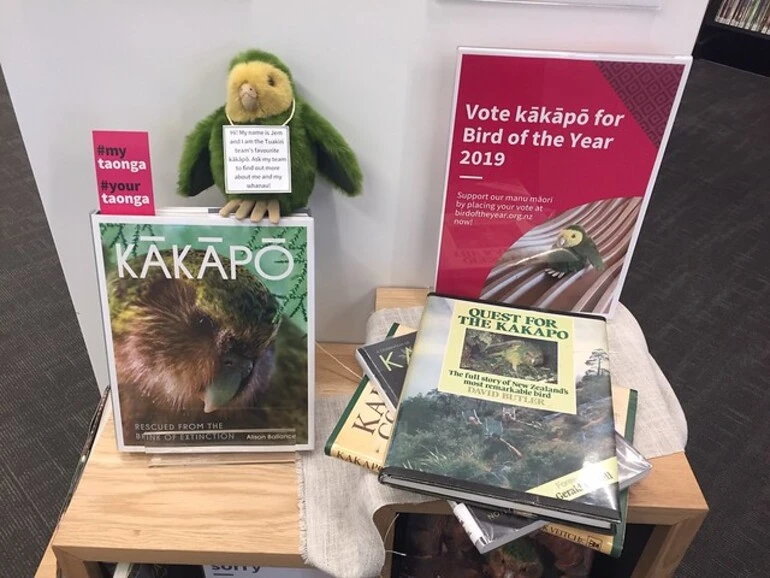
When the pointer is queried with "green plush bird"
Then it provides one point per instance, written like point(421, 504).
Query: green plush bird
point(573, 250)
point(260, 91)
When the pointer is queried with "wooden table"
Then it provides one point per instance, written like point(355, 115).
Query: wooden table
point(247, 514)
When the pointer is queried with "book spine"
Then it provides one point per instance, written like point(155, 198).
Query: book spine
point(752, 15)
point(471, 527)
point(731, 13)
point(367, 365)
point(746, 9)
point(761, 18)
point(354, 458)
point(755, 10)
point(628, 434)
point(600, 542)
point(736, 12)
point(742, 14)
point(343, 418)
point(720, 16)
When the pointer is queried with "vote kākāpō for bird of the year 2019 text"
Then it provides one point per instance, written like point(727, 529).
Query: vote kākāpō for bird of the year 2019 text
point(552, 158)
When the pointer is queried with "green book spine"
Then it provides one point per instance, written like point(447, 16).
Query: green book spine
point(620, 535)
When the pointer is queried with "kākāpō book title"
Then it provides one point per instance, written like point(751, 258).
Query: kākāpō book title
point(208, 323)
point(518, 357)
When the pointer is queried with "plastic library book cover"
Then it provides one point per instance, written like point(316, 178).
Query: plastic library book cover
point(490, 529)
point(509, 408)
point(363, 431)
point(209, 331)
point(385, 362)
point(434, 545)
point(552, 159)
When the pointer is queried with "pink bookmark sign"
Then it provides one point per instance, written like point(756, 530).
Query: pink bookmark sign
point(123, 173)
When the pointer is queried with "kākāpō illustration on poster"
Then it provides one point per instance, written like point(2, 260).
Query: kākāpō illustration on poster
point(209, 331)
point(552, 159)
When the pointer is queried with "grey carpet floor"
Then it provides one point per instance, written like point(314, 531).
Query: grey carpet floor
point(699, 286)
point(47, 388)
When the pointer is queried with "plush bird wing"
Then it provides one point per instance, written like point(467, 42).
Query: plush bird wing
point(195, 165)
point(562, 261)
point(591, 252)
point(336, 160)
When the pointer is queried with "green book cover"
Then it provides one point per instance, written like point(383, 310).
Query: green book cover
point(209, 330)
point(607, 543)
point(509, 408)
point(490, 529)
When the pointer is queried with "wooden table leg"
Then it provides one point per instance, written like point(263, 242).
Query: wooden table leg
point(73, 567)
point(666, 548)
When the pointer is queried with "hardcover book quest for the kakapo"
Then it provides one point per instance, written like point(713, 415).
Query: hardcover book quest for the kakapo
point(209, 330)
point(509, 408)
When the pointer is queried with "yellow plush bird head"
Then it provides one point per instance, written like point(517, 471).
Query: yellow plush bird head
point(570, 237)
point(259, 86)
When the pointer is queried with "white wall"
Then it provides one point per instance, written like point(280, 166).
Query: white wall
point(381, 71)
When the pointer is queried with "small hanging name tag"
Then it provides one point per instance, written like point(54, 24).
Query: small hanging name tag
point(257, 159)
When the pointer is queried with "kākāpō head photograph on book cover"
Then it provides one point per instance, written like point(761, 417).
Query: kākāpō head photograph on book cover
point(208, 331)
point(501, 354)
point(510, 398)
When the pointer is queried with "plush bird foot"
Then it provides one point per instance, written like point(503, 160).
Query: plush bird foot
point(254, 209)
point(555, 274)
point(274, 211)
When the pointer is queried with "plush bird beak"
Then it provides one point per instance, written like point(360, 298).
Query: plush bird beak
point(248, 96)
point(226, 384)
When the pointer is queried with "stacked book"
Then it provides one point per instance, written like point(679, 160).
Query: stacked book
point(507, 413)
point(751, 15)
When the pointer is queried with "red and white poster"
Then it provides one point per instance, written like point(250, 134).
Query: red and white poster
point(552, 158)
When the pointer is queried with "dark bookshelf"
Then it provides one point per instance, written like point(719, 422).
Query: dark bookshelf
point(732, 46)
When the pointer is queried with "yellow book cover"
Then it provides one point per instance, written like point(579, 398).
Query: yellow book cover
point(363, 431)
point(361, 436)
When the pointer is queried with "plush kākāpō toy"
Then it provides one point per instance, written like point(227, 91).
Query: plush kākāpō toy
point(573, 249)
point(260, 91)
